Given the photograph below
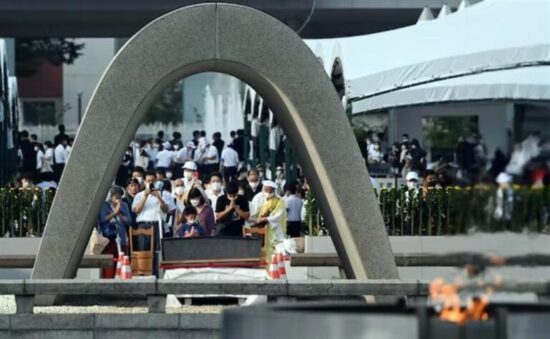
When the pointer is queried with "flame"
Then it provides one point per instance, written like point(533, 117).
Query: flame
point(447, 300)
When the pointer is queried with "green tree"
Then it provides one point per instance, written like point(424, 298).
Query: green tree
point(31, 53)
point(168, 107)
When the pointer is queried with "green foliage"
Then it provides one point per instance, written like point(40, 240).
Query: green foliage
point(23, 212)
point(444, 131)
point(31, 53)
point(457, 210)
point(168, 108)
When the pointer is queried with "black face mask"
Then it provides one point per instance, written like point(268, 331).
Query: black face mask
point(432, 183)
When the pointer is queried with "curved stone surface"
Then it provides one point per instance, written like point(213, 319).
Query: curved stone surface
point(271, 58)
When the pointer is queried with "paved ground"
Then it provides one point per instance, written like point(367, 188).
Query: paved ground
point(7, 306)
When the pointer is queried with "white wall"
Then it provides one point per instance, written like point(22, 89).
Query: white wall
point(493, 120)
point(83, 76)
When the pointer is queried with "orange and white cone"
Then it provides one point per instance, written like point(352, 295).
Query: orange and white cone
point(281, 265)
point(118, 274)
point(126, 269)
point(274, 268)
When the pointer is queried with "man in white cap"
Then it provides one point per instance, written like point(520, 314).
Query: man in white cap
point(164, 157)
point(269, 211)
point(190, 175)
point(206, 157)
point(182, 156)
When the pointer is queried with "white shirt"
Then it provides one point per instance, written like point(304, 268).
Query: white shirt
point(45, 185)
point(164, 158)
point(151, 211)
point(230, 157)
point(184, 155)
point(213, 197)
point(209, 152)
point(60, 154)
point(293, 208)
point(68, 150)
point(39, 159)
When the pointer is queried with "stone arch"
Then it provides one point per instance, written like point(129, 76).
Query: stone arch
point(262, 52)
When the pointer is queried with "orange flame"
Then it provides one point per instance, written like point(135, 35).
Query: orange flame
point(447, 299)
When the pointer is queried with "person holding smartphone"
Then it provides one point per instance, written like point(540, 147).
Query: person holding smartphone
point(151, 207)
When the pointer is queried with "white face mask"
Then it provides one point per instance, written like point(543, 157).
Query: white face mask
point(241, 192)
point(195, 202)
point(188, 175)
point(178, 191)
point(176, 147)
point(191, 221)
point(254, 184)
point(140, 180)
point(412, 185)
point(216, 186)
point(169, 175)
point(268, 195)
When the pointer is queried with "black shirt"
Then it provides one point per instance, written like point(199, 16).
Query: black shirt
point(249, 194)
point(233, 223)
point(219, 143)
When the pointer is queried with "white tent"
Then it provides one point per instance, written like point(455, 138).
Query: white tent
point(529, 83)
point(489, 38)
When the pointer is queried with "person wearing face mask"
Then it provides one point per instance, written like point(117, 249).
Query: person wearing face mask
point(232, 210)
point(151, 207)
point(205, 214)
point(215, 191)
point(271, 214)
point(114, 221)
point(191, 228)
point(206, 157)
point(253, 186)
point(138, 173)
point(183, 155)
point(190, 175)
point(412, 186)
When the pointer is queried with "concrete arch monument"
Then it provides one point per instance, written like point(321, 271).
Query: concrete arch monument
point(262, 52)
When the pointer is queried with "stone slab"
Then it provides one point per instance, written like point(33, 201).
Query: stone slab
point(4, 321)
point(137, 321)
point(55, 334)
point(200, 321)
point(52, 322)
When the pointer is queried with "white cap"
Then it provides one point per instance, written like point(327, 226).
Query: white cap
point(504, 178)
point(190, 165)
point(167, 145)
point(190, 144)
point(412, 175)
point(269, 183)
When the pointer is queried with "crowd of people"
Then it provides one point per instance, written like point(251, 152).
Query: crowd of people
point(470, 163)
point(196, 188)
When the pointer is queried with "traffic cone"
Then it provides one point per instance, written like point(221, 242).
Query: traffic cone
point(118, 274)
point(281, 266)
point(126, 269)
point(274, 268)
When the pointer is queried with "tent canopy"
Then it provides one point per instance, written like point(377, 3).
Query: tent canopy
point(487, 37)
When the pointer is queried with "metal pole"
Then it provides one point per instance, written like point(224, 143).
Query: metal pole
point(79, 107)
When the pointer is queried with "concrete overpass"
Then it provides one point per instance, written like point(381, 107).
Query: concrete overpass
point(122, 18)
